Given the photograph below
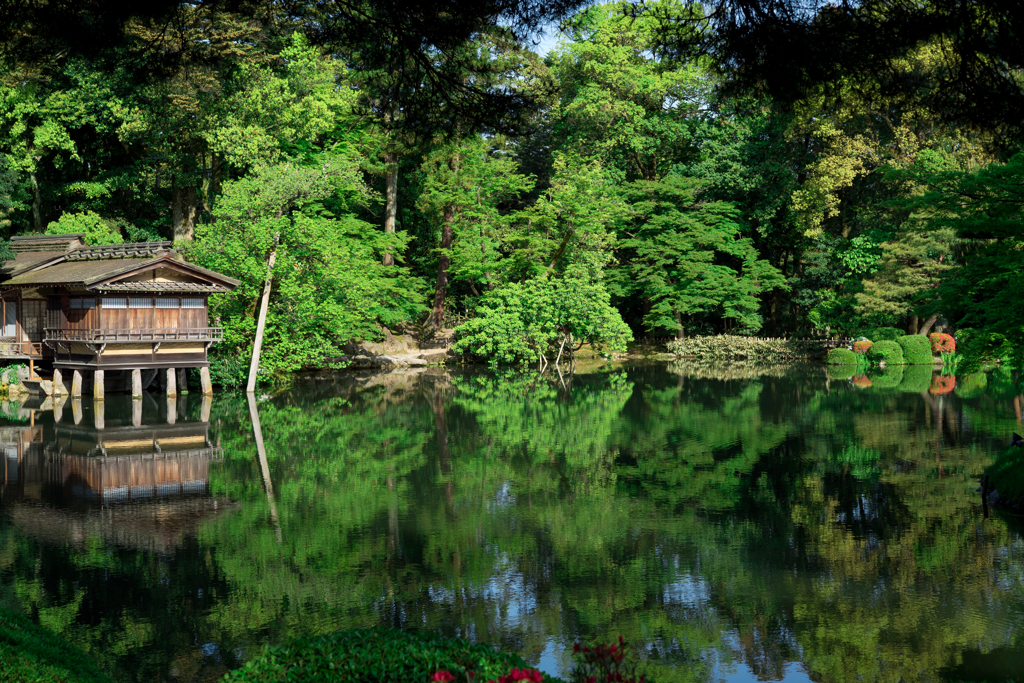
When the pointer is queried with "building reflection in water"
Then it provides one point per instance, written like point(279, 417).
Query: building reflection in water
point(135, 473)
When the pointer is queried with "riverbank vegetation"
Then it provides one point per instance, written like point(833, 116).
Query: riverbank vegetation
point(654, 157)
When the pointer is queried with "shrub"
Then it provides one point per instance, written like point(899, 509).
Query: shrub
point(735, 347)
point(604, 662)
point(972, 385)
point(861, 381)
point(883, 334)
point(917, 350)
point(916, 378)
point(942, 342)
point(862, 346)
point(841, 357)
point(888, 352)
point(520, 322)
point(33, 653)
point(377, 656)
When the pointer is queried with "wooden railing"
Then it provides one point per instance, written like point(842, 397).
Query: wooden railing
point(22, 348)
point(125, 335)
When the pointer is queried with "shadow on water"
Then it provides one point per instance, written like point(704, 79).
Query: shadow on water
point(737, 523)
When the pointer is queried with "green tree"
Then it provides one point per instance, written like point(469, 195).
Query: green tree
point(687, 259)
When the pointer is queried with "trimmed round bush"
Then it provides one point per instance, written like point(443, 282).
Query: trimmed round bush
point(917, 350)
point(841, 357)
point(890, 378)
point(942, 342)
point(885, 351)
point(383, 655)
point(916, 378)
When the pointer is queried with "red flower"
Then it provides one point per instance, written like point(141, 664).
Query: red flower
point(861, 381)
point(942, 342)
point(862, 346)
point(442, 677)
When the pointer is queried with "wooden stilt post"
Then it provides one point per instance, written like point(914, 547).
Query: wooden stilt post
point(97, 385)
point(136, 410)
point(204, 409)
point(183, 380)
point(76, 384)
point(58, 384)
point(258, 345)
point(171, 389)
point(137, 385)
point(204, 379)
point(76, 410)
point(172, 408)
point(97, 409)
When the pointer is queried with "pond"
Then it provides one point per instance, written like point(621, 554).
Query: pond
point(735, 523)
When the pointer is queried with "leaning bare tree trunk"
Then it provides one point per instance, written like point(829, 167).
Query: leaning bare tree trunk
point(184, 202)
point(443, 263)
point(927, 327)
point(37, 203)
point(390, 201)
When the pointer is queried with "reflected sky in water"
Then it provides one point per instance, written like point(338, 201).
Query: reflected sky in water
point(734, 523)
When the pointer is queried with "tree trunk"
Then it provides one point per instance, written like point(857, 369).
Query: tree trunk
point(927, 326)
point(184, 202)
point(443, 263)
point(37, 203)
point(390, 201)
point(912, 324)
point(680, 332)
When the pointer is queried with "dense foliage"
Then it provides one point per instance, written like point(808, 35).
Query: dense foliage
point(457, 167)
point(377, 656)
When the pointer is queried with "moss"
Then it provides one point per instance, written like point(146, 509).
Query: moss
point(916, 378)
point(886, 351)
point(32, 653)
point(917, 350)
point(841, 357)
point(376, 655)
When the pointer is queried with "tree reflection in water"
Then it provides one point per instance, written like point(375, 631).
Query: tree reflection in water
point(714, 516)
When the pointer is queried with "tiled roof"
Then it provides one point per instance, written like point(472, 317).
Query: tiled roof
point(155, 286)
point(23, 261)
point(76, 273)
point(118, 251)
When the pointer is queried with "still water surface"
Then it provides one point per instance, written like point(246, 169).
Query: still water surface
point(735, 524)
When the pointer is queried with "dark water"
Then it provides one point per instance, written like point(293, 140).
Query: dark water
point(735, 524)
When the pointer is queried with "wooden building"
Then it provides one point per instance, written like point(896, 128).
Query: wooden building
point(90, 312)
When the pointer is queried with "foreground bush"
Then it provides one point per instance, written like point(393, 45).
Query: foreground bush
point(521, 322)
point(841, 357)
point(34, 654)
point(605, 662)
point(735, 347)
point(378, 656)
point(888, 352)
point(917, 350)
